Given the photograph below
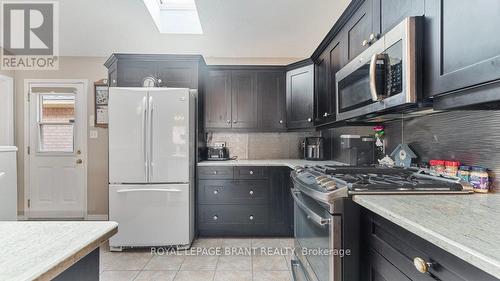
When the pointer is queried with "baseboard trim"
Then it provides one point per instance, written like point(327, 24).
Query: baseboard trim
point(96, 217)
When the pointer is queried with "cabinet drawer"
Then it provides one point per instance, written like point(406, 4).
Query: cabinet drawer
point(400, 247)
point(250, 173)
point(233, 214)
point(233, 192)
point(215, 173)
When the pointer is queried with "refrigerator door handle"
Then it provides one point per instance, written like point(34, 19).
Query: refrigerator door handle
point(151, 164)
point(147, 190)
point(144, 138)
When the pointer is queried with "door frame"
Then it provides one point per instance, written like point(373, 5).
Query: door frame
point(26, 141)
point(10, 105)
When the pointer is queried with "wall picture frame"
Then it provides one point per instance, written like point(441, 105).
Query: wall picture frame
point(101, 96)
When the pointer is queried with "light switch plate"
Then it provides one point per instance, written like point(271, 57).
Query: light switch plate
point(94, 134)
point(91, 121)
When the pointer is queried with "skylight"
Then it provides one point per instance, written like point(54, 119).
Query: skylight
point(175, 16)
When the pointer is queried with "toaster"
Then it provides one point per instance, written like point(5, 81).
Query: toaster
point(218, 152)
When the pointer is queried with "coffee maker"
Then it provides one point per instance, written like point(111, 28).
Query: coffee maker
point(312, 148)
point(357, 150)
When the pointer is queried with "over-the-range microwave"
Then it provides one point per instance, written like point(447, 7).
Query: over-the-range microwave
point(386, 77)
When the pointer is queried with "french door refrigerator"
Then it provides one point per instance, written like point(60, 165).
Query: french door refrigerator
point(151, 166)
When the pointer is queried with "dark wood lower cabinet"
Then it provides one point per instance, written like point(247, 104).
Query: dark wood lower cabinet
point(388, 252)
point(256, 201)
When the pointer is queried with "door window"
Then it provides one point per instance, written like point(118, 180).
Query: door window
point(56, 123)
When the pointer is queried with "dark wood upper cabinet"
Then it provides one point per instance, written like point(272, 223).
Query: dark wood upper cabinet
point(178, 75)
point(176, 71)
point(461, 45)
point(244, 99)
point(389, 13)
point(359, 30)
point(300, 97)
point(271, 100)
point(218, 99)
point(330, 61)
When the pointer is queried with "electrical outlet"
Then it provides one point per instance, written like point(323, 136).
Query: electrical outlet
point(94, 134)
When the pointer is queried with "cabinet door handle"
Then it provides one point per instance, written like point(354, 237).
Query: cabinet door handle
point(215, 172)
point(228, 121)
point(251, 172)
point(216, 217)
point(421, 265)
point(216, 192)
point(251, 217)
point(309, 120)
point(326, 114)
point(251, 192)
point(281, 121)
point(235, 121)
point(373, 37)
point(364, 43)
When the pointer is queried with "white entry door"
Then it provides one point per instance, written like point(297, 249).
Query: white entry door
point(57, 149)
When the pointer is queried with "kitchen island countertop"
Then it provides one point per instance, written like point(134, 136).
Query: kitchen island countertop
point(291, 163)
point(466, 226)
point(42, 250)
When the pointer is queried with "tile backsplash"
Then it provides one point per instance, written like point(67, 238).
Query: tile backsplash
point(261, 145)
point(471, 136)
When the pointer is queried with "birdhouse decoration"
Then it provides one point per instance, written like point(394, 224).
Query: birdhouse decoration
point(403, 155)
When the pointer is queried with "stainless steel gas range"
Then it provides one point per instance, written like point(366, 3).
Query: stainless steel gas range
point(326, 220)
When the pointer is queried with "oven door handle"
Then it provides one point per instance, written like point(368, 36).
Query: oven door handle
point(373, 75)
point(310, 214)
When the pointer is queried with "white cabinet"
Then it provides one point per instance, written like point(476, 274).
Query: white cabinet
point(8, 184)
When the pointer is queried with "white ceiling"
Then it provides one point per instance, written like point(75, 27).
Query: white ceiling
point(232, 28)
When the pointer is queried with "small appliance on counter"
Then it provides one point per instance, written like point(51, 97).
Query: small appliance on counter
point(357, 150)
point(218, 152)
point(313, 148)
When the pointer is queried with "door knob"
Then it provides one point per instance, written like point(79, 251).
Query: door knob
point(78, 152)
point(79, 161)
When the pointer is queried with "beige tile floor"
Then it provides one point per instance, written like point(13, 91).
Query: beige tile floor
point(141, 265)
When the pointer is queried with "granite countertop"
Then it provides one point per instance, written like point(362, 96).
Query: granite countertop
point(466, 226)
point(42, 250)
point(268, 162)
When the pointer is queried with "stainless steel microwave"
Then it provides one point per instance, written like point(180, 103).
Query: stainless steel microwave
point(385, 77)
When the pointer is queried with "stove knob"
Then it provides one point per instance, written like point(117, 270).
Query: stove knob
point(330, 185)
point(320, 178)
point(324, 181)
point(298, 169)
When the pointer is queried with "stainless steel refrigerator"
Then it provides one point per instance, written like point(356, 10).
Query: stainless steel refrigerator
point(151, 166)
